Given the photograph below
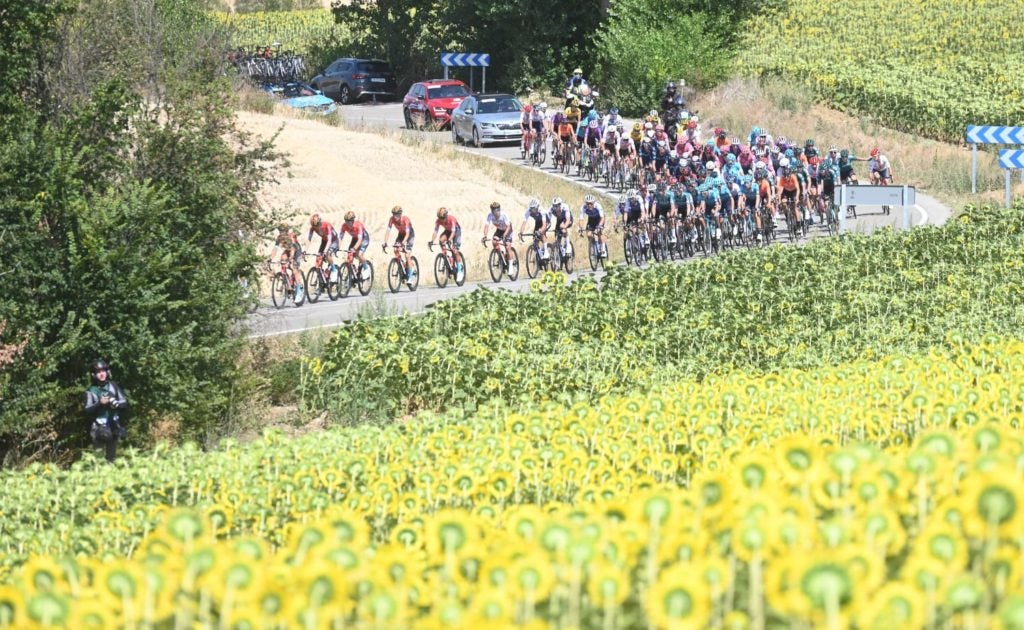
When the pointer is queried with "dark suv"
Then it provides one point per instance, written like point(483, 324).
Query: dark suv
point(348, 80)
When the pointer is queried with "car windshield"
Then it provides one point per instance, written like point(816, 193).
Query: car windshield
point(375, 66)
point(498, 104)
point(447, 91)
point(293, 90)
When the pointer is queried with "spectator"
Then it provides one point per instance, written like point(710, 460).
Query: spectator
point(104, 403)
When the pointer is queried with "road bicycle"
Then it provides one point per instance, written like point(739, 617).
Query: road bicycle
point(448, 265)
point(568, 159)
point(538, 149)
point(252, 290)
point(564, 253)
point(535, 262)
point(398, 273)
point(320, 279)
point(498, 264)
point(350, 276)
point(283, 287)
point(634, 238)
point(596, 250)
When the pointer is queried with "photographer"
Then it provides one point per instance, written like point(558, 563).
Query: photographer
point(104, 403)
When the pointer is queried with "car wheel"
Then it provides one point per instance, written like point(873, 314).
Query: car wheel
point(455, 135)
point(476, 138)
point(408, 119)
point(345, 95)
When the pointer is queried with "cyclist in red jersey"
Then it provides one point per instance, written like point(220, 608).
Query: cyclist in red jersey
point(360, 237)
point(406, 235)
point(329, 239)
point(449, 228)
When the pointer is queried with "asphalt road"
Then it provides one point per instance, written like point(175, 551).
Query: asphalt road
point(268, 321)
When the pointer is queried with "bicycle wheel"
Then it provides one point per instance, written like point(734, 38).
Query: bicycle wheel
point(513, 264)
point(345, 280)
point(314, 285)
point(395, 279)
point(593, 253)
point(333, 277)
point(460, 269)
point(414, 267)
point(440, 271)
point(569, 259)
point(532, 262)
point(639, 255)
point(366, 278)
point(279, 290)
point(495, 265)
point(251, 291)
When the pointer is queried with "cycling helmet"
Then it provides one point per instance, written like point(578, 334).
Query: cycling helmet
point(710, 166)
point(528, 109)
point(756, 131)
point(534, 204)
point(442, 213)
point(784, 163)
point(637, 126)
point(874, 152)
point(495, 206)
point(542, 106)
point(350, 216)
point(99, 365)
point(759, 165)
point(785, 172)
point(845, 153)
point(695, 118)
point(589, 199)
point(730, 158)
point(314, 220)
point(397, 210)
point(671, 87)
point(623, 199)
point(832, 148)
point(575, 102)
point(809, 143)
point(789, 153)
point(557, 201)
point(781, 140)
point(653, 113)
point(775, 150)
point(613, 111)
point(592, 124)
point(578, 71)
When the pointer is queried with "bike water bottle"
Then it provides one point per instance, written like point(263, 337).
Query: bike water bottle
point(334, 273)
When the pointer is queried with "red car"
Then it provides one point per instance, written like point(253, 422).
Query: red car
point(430, 103)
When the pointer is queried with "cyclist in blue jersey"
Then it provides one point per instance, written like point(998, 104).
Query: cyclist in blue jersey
point(593, 214)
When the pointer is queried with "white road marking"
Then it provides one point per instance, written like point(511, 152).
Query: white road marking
point(924, 214)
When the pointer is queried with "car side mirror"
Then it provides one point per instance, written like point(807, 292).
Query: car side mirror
point(419, 97)
point(469, 110)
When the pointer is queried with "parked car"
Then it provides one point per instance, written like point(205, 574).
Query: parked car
point(430, 103)
point(348, 80)
point(303, 97)
point(486, 118)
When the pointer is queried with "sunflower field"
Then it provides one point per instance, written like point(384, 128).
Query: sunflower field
point(831, 301)
point(930, 67)
point(885, 493)
point(297, 31)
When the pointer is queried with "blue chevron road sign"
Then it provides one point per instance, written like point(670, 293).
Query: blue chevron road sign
point(475, 60)
point(1011, 159)
point(988, 134)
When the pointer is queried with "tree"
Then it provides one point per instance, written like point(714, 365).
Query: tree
point(125, 183)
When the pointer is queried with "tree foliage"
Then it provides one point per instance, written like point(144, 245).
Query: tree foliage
point(125, 186)
point(530, 42)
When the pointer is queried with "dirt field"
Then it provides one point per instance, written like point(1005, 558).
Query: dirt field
point(334, 170)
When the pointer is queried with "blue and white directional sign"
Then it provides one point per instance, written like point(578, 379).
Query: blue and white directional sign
point(988, 134)
point(1011, 159)
point(460, 60)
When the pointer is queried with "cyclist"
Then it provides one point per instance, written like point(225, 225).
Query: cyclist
point(541, 223)
point(610, 140)
point(631, 208)
point(573, 113)
point(810, 150)
point(565, 131)
point(360, 238)
point(591, 136)
point(846, 173)
point(637, 134)
point(828, 172)
point(450, 231)
point(290, 249)
point(586, 100)
point(574, 85)
point(526, 123)
point(560, 216)
point(502, 228)
point(789, 189)
point(881, 170)
point(612, 119)
point(404, 237)
point(662, 205)
point(329, 239)
point(594, 216)
point(538, 124)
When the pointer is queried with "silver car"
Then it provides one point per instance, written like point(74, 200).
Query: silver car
point(486, 118)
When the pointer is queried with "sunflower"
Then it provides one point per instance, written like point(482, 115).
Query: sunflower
point(678, 599)
point(608, 584)
point(993, 504)
point(896, 606)
point(44, 574)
